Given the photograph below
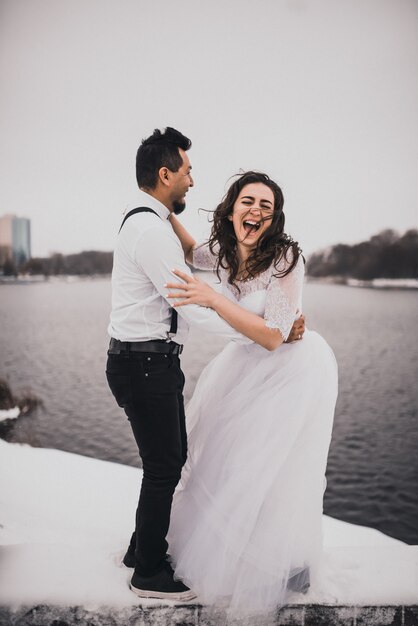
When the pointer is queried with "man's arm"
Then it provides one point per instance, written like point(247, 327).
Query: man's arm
point(158, 252)
point(193, 291)
point(186, 240)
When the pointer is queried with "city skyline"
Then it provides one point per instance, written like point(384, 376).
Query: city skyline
point(320, 95)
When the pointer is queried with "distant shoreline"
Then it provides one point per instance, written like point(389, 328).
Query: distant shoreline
point(59, 278)
point(375, 283)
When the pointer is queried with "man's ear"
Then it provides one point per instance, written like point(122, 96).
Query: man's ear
point(164, 175)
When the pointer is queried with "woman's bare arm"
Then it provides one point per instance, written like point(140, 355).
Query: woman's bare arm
point(194, 291)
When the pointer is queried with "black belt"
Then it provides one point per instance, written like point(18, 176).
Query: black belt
point(155, 345)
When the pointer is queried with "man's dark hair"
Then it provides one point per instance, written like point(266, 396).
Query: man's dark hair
point(159, 150)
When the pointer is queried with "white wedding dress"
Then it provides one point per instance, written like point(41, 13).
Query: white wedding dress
point(247, 514)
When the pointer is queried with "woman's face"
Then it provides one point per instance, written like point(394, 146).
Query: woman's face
point(252, 213)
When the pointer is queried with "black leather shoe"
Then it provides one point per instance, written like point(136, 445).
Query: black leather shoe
point(162, 586)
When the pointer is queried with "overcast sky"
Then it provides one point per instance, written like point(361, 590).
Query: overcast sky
point(320, 94)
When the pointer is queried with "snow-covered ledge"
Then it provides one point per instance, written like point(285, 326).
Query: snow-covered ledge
point(65, 519)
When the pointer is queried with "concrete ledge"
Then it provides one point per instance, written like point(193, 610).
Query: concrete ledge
point(197, 615)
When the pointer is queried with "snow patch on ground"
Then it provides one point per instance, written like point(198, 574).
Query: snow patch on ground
point(65, 522)
point(9, 414)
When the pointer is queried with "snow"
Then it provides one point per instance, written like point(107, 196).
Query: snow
point(65, 521)
point(9, 414)
point(384, 283)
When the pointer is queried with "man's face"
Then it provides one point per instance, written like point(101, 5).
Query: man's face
point(181, 181)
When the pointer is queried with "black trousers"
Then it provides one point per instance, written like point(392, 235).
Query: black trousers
point(149, 387)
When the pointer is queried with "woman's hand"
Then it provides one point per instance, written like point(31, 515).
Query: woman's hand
point(191, 291)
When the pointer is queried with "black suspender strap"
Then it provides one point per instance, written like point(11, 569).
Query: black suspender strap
point(174, 314)
point(141, 209)
point(174, 320)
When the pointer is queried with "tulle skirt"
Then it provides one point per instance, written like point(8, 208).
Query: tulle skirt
point(246, 517)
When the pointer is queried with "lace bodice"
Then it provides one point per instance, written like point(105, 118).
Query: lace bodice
point(283, 295)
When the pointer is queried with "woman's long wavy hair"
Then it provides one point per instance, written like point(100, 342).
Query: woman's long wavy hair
point(271, 247)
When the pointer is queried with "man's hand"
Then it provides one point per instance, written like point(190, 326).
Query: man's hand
point(297, 331)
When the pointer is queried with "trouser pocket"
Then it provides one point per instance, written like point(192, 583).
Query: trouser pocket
point(121, 387)
point(118, 374)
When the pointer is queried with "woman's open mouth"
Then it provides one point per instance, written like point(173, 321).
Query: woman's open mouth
point(251, 226)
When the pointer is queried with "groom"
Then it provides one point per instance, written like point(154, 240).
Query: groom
point(143, 367)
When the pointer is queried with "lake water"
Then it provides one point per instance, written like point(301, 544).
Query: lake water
point(53, 340)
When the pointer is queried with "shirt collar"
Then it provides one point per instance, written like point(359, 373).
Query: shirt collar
point(144, 199)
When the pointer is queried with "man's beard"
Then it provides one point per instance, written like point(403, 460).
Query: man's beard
point(178, 207)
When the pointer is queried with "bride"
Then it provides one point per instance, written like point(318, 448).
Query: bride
point(246, 521)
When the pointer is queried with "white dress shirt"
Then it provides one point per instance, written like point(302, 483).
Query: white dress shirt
point(146, 252)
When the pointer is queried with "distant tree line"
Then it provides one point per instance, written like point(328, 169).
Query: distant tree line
point(81, 264)
point(386, 255)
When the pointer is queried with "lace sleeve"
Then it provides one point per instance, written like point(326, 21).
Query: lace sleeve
point(203, 259)
point(284, 299)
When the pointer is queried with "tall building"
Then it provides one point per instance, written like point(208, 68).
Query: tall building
point(15, 243)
